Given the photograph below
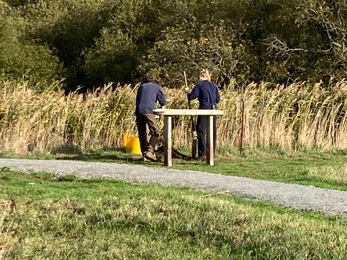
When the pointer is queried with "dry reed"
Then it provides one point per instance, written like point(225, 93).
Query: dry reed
point(290, 116)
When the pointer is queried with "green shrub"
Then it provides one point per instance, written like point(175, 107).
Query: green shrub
point(101, 41)
point(20, 57)
point(191, 48)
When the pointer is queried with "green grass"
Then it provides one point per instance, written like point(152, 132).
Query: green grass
point(43, 216)
point(307, 167)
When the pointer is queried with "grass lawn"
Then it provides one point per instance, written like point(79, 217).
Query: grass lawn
point(43, 216)
point(312, 167)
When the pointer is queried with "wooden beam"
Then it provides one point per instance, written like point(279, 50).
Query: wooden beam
point(209, 140)
point(167, 141)
point(181, 112)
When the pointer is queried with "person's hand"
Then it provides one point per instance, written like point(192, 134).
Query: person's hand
point(187, 90)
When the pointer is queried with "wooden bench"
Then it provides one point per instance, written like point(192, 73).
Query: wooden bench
point(168, 113)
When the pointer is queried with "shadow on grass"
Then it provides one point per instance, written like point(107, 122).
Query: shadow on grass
point(104, 155)
point(119, 155)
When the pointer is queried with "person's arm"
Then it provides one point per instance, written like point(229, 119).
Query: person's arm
point(161, 97)
point(195, 92)
point(138, 94)
point(217, 95)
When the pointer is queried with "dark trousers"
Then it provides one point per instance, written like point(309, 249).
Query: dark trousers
point(142, 120)
point(201, 132)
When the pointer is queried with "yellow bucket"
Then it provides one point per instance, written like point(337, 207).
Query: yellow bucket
point(131, 144)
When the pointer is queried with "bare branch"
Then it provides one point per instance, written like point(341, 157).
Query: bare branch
point(279, 47)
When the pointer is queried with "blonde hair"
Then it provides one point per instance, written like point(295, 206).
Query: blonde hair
point(205, 74)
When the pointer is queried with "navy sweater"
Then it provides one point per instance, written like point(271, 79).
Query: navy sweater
point(207, 94)
point(147, 96)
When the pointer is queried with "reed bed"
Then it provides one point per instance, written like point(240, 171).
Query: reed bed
point(289, 117)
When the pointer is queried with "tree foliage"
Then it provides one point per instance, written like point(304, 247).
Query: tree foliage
point(188, 48)
point(101, 41)
point(21, 57)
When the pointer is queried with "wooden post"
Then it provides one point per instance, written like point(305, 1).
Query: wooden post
point(209, 140)
point(167, 140)
point(242, 123)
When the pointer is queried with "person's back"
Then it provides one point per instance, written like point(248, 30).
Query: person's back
point(207, 94)
point(147, 96)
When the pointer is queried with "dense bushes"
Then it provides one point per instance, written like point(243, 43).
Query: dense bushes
point(22, 57)
point(99, 41)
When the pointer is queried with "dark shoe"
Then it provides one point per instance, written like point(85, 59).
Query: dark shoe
point(151, 156)
point(160, 158)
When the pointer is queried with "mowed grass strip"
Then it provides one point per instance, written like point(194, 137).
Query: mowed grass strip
point(314, 168)
point(51, 217)
point(324, 169)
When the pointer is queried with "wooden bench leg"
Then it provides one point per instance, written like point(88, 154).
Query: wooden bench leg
point(167, 141)
point(209, 141)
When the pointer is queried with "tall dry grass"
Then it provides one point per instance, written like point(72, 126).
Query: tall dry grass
point(287, 116)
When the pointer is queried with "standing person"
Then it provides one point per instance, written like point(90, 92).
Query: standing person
point(208, 95)
point(147, 96)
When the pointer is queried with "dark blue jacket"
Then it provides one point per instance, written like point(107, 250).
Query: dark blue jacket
point(207, 94)
point(147, 96)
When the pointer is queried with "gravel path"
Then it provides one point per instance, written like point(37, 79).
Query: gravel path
point(301, 197)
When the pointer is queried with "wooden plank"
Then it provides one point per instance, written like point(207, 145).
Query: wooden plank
point(167, 141)
point(209, 140)
point(193, 112)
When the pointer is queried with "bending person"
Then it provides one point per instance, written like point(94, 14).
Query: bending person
point(147, 96)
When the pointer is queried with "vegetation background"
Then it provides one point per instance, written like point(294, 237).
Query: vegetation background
point(282, 61)
point(93, 42)
point(69, 70)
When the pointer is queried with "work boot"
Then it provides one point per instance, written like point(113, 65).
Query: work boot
point(150, 155)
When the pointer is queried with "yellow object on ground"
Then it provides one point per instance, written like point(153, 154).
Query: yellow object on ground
point(131, 144)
